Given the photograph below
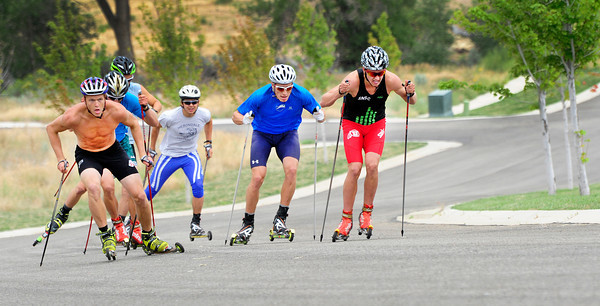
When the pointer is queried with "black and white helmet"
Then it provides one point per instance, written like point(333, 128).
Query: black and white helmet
point(374, 58)
point(123, 65)
point(282, 74)
point(117, 85)
point(189, 92)
point(93, 86)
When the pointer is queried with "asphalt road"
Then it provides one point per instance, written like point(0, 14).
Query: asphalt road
point(553, 264)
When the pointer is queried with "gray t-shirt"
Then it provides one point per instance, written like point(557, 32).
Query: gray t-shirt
point(182, 133)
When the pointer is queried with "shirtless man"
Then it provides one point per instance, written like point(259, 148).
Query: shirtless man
point(94, 123)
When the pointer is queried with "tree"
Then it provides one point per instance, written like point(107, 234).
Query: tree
point(67, 59)
point(382, 36)
point(573, 31)
point(244, 61)
point(280, 15)
point(317, 46)
point(120, 22)
point(429, 22)
point(514, 23)
point(172, 58)
point(23, 25)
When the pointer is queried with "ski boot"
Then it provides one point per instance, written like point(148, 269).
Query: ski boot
point(198, 232)
point(121, 234)
point(136, 235)
point(343, 230)
point(279, 229)
point(53, 226)
point(58, 221)
point(364, 220)
point(243, 235)
point(153, 244)
point(109, 245)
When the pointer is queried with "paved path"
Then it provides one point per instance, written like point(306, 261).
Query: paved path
point(550, 264)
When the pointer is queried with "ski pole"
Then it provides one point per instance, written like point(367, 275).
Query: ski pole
point(333, 168)
point(237, 184)
point(315, 185)
point(131, 232)
point(88, 236)
point(62, 180)
point(405, 147)
point(147, 173)
point(66, 176)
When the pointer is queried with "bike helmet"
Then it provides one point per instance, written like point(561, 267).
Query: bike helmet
point(93, 86)
point(374, 58)
point(189, 92)
point(123, 65)
point(117, 85)
point(282, 74)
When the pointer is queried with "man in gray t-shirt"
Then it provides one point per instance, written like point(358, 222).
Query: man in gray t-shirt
point(179, 150)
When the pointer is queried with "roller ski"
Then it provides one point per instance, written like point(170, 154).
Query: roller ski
point(136, 235)
point(109, 245)
point(153, 244)
point(53, 226)
point(343, 230)
point(279, 230)
point(121, 233)
point(365, 221)
point(199, 232)
point(243, 235)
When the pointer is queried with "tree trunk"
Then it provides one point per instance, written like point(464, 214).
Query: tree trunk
point(550, 177)
point(566, 134)
point(584, 188)
point(120, 24)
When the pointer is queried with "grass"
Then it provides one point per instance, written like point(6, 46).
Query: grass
point(30, 204)
point(565, 199)
point(527, 100)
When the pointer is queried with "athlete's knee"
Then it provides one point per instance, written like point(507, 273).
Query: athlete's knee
point(79, 190)
point(372, 166)
point(354, 169)
point(108, 187)
point(198, 190)
point(94, 191)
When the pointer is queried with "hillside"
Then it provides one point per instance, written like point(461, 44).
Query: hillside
point(218, 23)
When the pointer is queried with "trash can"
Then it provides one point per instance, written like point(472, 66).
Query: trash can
point(440, 103)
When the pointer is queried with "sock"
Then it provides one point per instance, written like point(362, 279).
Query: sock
point(103, 229)
point(66, 209)
point(196, 218)
point(347, 214)
point(122, 218)
point(248, 218)
point(282, 211)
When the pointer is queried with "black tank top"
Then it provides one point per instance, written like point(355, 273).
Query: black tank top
point(365, 108)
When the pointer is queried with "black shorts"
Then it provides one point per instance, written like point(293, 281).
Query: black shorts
point(114, 159)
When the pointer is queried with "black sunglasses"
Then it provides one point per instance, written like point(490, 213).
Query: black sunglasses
point(190, 102)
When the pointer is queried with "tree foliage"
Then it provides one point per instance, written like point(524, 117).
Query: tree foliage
point(24, 24)
point(317, 46)
point(382, 36)
point(172, 58)
point(68, 59)
point(244, 62)
point(279, 14)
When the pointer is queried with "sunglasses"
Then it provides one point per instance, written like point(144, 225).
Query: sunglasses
point(375, 73)
point(284, 88)
point(190, 102)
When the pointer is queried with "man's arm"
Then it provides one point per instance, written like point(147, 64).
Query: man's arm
point(237, 118)
point(150, 117)
point(395, 83)
point(52, 129)
point(154, 137)
point(156, 105)
point(348, 86)
point(208, 134)
point(136, 132)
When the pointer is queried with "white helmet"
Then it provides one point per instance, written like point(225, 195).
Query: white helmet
point(374, 58)
point(189, 92)
point(282, 74)
point(93, 86)
point(117, 84)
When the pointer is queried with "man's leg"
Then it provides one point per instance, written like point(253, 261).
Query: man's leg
point(252, 192)
point(91, 178)
point(290, 168)
point(110, 199)
point(372, 177)
point(351, 185)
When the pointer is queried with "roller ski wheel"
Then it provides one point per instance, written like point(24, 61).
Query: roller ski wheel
point(236, 239)
point(242, 236)
point(178, 248)
point(40, 238)
point(207, 235)
point(337, 236)
point(111, 255)
point(367, 231)
point(288, 234)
